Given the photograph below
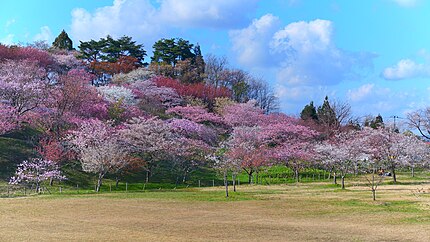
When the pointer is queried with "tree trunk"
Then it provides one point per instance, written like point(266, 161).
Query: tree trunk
point(334, 178)
point(343, 181)
point(99, 182)
point(226, 183)
point(296, 174)
point(51, 181)
point(234, 182)
point(413, 173)
point(116, 182)
point(249, 175)
point(147, 176)
point(37, 187)
point(257, 178)
point(373, 185)
point(393, 173)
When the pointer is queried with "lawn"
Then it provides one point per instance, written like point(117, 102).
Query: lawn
point(293, 212)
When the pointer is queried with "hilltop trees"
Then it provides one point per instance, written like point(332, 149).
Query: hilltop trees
point(309, 112)
point(178, 58)
point(111, 56)
point(63, 42)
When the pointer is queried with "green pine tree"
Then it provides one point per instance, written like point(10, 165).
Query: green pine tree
point(309, 112)
point(63, 41)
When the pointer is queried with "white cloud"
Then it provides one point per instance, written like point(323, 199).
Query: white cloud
point(303, 52)
point(8, 40)
point(304, 37)
point(207, 13)
point(143, 20)
point(132, 17)
point(406, 68)
point(360, 93)
point(45, 34)
point(406, 3)
point(253, 43)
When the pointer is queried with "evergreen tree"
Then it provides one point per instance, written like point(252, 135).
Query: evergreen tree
point(170, 51)
point(309, 112)
point(377, 122)
point(110, 50)
point(326, 115)
point(63, 41)
point(177, 58)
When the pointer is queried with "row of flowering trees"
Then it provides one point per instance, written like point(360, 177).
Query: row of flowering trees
point(141, 120)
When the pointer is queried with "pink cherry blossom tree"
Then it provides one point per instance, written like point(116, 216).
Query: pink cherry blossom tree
point(246, 148)
point(415, 152)
point(242, 114)
point(197, 114)
point(99, 148)
point(35, 171)
point(23, 85)
point(193, 142)
point(150, 139)
point(291, 143)
point(342, 153)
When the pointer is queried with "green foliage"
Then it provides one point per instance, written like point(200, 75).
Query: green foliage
point(110, 50)
point(116, 111)
point(63, 41)
point(374, 122)
point(170, 51)
point(14, 148)
point(178, 58)
point(326, 114)
point(309, 112)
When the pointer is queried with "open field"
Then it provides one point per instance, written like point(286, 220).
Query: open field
point(311, 211)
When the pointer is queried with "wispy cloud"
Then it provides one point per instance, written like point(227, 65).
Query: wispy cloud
point(45, 34)
point(406, 3)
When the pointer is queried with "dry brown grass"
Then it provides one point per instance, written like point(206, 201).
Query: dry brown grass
point(283, 213)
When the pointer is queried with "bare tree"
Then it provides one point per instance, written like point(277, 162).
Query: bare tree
point(421, 121)
point(214, 68)
point(343, 112)
point(260, 91)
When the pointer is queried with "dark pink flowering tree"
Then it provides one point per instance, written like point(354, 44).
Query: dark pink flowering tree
point(8, 118)
point(150, 94)
point(36, 171)
point(290, 142)
point(197, 114)
point(246, 149)
point(71, 99)
point(242, 114)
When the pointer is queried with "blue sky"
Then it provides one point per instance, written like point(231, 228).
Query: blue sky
point(374, 54)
